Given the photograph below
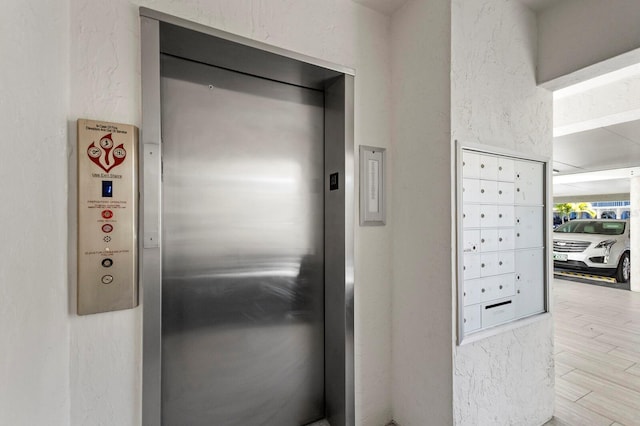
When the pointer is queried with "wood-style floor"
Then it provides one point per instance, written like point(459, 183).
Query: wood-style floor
point(597, 354)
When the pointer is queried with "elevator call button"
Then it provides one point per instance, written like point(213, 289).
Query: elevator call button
point(107, 216)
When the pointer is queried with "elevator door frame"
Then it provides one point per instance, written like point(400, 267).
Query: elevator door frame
point(161, 33)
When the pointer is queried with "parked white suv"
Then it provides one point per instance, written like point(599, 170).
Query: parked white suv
point(599, 246)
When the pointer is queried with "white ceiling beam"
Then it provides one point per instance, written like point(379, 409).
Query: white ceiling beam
point(601, 102)
point(601, 175)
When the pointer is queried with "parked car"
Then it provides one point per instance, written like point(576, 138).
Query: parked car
point(599, 246)
point(581, 215)
point(557, 220)
point(609, 214)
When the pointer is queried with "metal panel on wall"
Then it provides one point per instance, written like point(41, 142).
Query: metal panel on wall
point(501, 238)
point(183, 40)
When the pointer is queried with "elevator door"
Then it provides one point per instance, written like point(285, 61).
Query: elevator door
point(242, 249)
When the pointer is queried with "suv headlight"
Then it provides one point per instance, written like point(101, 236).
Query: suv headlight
point(606, 245)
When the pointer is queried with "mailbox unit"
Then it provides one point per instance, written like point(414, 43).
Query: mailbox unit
point(502, 238)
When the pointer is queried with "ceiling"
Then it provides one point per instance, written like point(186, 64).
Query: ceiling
point(388, 7)
point(539, 4)
point(605, 148)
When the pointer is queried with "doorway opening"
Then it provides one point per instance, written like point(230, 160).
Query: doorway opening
point(246, 250)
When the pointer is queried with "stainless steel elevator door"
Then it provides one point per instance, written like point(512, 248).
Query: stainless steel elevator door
point(242, 249)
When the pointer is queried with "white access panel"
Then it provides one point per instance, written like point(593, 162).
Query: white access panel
point(528, 178)
point(529, 222)
point(529, 272)
point(502, 238)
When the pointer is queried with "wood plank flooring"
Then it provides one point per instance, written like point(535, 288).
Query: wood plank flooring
point(597, 353)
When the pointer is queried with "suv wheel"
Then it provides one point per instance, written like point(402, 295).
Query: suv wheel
point(624, 268)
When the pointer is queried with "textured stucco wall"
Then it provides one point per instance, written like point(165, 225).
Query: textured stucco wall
point(34, 330)
point(421, 307)
point(105, 76)
point(507, 378)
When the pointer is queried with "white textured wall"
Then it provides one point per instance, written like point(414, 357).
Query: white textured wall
point(422, 311)
point(34, 330)
point(506, 379)
point(574, 34)
point(105, 76)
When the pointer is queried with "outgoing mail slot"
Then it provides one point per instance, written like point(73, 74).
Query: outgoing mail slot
point(497, 312)
point(471, 318)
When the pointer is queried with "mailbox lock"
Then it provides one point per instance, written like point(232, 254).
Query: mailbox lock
point(482, 166)
point(500, 263)
point(518, 291)
point(500, 168)
point(500, 239)
point(482, 240)
point(464, 215)
point(482, 215)
point(518, 234)
point(517, 277)
point(500, 286)
point(107, 279)
point(500, 192)
point(482, 191)
point(518, 189)
point(473, 248)
point(483, 290)
point(482, 265)
point(107, 262)
point(500, 215)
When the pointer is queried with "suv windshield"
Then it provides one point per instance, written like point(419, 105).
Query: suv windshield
point(592, 227)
